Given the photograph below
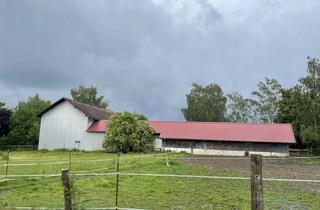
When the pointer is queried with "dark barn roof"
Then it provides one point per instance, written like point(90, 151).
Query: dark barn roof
point(90, 111)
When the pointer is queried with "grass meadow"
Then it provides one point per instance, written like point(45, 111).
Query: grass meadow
point(140, 192)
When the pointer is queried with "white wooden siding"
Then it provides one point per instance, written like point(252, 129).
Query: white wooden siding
point(63, 125)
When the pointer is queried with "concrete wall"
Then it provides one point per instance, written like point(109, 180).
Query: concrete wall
point(65, 127)
point(225, 148)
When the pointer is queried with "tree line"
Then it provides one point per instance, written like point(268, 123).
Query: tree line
point(209, 103)
point(270, 103)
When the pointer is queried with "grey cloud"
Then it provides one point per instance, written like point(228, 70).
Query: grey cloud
point(144, 55)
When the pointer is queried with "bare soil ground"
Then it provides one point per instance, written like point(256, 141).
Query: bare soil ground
point(284, 168)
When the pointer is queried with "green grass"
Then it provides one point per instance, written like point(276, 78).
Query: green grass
point(141, 191)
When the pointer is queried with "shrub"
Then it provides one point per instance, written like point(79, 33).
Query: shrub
point(129, 132)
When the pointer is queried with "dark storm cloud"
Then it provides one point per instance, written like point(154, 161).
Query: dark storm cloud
point(144, 55)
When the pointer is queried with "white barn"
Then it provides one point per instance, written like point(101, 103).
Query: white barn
point(68, 124)
point(64, 126)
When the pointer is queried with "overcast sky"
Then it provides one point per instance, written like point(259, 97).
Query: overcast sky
point(144, 55)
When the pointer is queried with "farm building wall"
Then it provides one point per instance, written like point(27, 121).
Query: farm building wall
point(65, 127)
point(225, 148)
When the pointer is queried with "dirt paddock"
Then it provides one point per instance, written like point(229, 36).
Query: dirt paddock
point(291, 167)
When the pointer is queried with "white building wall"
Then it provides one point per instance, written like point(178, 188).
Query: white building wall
point(63, 126)
point(158, 143)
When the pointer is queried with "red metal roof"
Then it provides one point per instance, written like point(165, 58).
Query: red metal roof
point(217, 131)
point(98, 126)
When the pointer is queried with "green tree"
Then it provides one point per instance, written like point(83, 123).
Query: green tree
point(129, 132)
point(25, 123)
point(88, 95)
point(2, 104)
point(240, 109)
point(300, 105)
point(205, 103)
point(267, 100)
point(290, 106)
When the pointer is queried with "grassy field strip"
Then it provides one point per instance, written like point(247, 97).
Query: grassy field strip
point(100, 169)
point(58, 163)
point(67, 161)
point(150, 157)
point(31, 208)
point(101, 208)
point(33, 164)
point(114, 208)
point(48, 160)
point(168, 175)
point(54, 163)
point(76, 160)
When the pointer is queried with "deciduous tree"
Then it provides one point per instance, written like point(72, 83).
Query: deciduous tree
point(205, 103)
point(88, 95)
point(300, 105)
point(25, 123)
point(267, 100)
point(240, 109)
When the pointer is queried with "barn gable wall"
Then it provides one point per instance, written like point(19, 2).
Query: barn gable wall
point(64, 126)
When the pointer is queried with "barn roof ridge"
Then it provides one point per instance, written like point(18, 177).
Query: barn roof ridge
point(90, 111)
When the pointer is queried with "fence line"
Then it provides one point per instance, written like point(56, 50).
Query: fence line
point(95, 172)
point(36, 162)
point(124, 158)
point(166, 175)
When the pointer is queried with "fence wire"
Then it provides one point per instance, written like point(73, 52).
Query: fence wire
point(160, 181)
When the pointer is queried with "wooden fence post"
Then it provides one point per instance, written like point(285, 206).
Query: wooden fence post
point(256, 182)
point(66, 189)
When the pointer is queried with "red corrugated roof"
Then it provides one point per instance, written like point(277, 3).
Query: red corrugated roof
point(217, 131)
point(97, 127)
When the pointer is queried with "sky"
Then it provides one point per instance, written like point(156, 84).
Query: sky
point(144, 55)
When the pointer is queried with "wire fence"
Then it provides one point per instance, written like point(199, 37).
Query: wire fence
point(158, 181)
